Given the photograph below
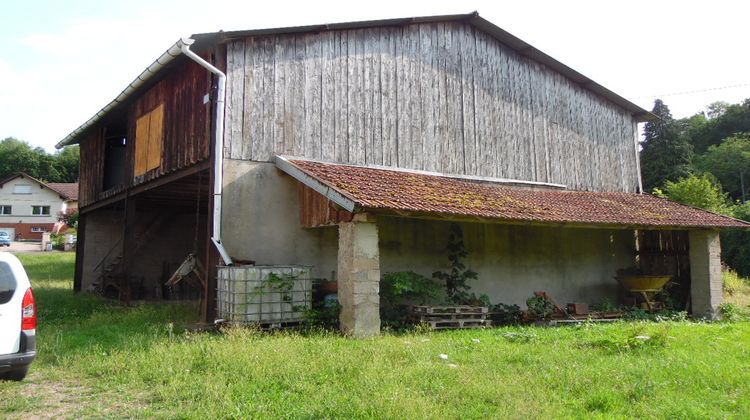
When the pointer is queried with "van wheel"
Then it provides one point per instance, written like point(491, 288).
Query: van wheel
point(15, 375)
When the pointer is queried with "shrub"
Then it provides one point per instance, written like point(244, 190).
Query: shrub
point(506, 314)
point(455, 280)
point(402, 288)
point(733, 283)
point(540, 306)
point(732, 312)
point(58, 241)
point(702, 191)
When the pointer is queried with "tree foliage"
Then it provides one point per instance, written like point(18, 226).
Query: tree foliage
point(729, 162)
point(666, 154)
point(702, 191)
point(720, 122)
point(18, 156)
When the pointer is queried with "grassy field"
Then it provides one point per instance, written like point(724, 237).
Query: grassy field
point(100, 360)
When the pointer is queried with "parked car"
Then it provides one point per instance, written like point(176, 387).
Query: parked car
point(4, 239)
point(17, 319)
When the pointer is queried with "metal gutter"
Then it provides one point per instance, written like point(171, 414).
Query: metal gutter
point(167, 57)
point(218, 147)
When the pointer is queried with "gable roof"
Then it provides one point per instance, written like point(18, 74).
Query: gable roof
point(67, 190)
point(399, 192)
point(205, 41)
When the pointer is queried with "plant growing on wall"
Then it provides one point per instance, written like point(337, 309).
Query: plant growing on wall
point(455, 279)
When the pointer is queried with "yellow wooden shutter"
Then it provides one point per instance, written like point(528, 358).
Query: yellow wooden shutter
point(149, 137)
point(155, 138)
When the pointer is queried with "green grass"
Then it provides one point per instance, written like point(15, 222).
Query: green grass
point(98, 359)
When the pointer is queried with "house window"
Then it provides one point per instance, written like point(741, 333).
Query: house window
point(22, 189)
point(5, 210)
point(40, 210)
point(37, 229)
point(149, 136)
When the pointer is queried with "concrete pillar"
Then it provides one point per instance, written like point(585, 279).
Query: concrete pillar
point(359, 277)
point(706, 285)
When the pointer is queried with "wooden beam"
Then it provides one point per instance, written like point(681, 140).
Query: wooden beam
point(80, 249)
point(158, 182)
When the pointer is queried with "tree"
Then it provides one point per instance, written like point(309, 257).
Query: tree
point(666, 154)
point(729, 162)
point(702, 191)
point(67, 161)
point(735, 243)
point(723, 121)
point(18, 156)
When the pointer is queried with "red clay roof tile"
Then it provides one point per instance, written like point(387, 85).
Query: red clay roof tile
point(399, 191)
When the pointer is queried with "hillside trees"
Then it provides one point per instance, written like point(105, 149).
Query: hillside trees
point(18, 156)
point(666, 154)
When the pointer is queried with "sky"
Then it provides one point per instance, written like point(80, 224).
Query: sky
point(62, 61)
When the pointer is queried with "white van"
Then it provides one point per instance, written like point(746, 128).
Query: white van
point(17, 319)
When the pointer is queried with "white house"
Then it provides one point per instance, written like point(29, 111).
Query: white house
point(30, 207)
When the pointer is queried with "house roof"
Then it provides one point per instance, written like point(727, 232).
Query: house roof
point(380, 190)
point(205, 41)
point(68, 190)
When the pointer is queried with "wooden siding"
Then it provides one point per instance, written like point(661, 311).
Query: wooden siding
point(316, 210)
point(91, 167)
point(187, 121)
point(441, 97)
point(185, 130)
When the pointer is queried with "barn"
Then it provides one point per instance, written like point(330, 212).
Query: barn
point(353, 148)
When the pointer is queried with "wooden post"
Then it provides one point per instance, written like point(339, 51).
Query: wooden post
point(127, 247)
point(80, 245)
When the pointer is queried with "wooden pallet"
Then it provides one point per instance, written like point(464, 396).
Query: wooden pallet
point(451, 317)
point(458, 323)
point(449, 310)
point(448, 317)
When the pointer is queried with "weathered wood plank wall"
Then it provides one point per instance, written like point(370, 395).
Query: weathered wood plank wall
point(91, 167)
point(439, 96)
point(187, 122)
point(186, 139)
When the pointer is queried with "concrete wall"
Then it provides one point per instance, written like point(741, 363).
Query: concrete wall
point(165, 239)
point(573, 265)
point(261, 220)
point(103, 230)
point(262, 223)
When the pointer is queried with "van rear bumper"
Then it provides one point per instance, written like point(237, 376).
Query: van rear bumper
point(25, 355)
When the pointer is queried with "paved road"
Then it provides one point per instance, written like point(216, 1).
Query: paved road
point(23, 247)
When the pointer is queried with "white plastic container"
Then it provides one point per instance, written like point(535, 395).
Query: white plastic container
point(270, 294)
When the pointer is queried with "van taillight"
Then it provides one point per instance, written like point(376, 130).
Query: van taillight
point(28, 311)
